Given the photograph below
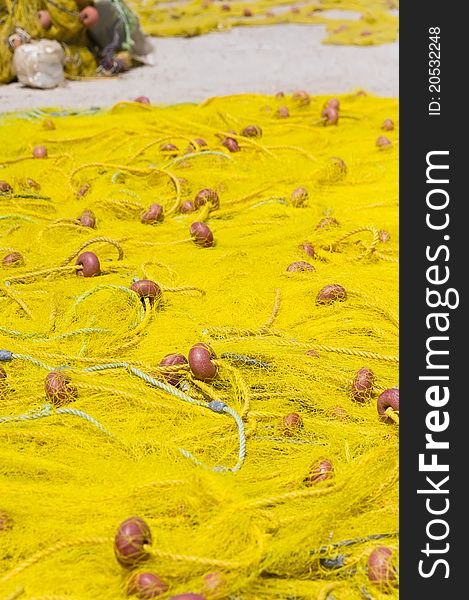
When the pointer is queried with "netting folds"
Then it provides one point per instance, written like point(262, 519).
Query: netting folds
point(263, 248)
point(358, 22)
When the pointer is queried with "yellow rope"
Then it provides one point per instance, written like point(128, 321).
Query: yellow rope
point(43, 554)
point(42, 272)
point(95, 241)
point(287, 497)
point(206, 562)
point(392, 414)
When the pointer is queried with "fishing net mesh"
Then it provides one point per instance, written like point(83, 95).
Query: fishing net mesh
point(233, 491)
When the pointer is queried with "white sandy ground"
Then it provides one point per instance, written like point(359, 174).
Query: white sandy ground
point(244, 60)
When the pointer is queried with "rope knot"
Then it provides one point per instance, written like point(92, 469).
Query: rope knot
point(217, 406)
point(6, 356)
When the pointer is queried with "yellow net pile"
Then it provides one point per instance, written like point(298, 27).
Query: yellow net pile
point(277, 508)
point(375, 21)
point(66, 28)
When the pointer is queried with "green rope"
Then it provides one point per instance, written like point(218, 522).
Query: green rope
point(272, 201)
point(260, 438)
point(20, 217)
point(32, 360)
point(216, 406)
point(45, 411)
point(120, 288)
point(245, 360)
point(31, 197)
point(48, 411)
point(129, 20)
point(148, 379)
point(82, 415)
point(42, 338)
point(361, 540)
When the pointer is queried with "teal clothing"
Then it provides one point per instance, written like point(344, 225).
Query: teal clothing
point(109, 33)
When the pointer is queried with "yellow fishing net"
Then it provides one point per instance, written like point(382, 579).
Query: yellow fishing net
point(287, 508)
point(65, 28)
point(372, 22)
